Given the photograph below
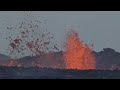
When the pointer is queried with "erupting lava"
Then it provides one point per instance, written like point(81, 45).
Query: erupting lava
point(31, 38)
point(78, 55)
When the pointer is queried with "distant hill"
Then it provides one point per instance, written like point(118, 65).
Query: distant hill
point(3, 58)
point(106, 59)
point(45, 60)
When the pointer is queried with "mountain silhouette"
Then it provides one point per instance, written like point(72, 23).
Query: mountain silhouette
point(105, 59)
point(3, 58)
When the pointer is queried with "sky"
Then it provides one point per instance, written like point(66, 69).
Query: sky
point(99, 27)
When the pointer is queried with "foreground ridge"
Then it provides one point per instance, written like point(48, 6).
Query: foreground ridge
point(49, 73)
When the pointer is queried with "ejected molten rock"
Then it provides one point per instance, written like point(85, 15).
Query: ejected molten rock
point(78, 55)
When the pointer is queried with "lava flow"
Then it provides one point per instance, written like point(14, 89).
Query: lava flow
point(78, 55)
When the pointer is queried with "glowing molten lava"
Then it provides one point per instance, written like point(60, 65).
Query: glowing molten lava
point(78, 55)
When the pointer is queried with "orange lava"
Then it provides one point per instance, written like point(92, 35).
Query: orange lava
point(17, 40)
point(30, 45)
point(78, 55)
point(11, 62)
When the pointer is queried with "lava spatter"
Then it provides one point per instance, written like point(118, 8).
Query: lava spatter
point(30, 37)
point(77, 55)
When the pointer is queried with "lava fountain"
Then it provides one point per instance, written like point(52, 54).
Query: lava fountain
point(31, 38)
point(78, 55)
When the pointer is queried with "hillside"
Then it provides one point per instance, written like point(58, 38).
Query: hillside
point(106, 59)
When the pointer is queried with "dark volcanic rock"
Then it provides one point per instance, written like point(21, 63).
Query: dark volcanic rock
point(49, 73)
point(3, 59)
point(107, 58)
point(54, 60)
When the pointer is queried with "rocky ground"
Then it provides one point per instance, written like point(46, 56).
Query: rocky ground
point(48, 73)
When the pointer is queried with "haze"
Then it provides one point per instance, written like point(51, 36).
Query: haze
point(98, 27)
